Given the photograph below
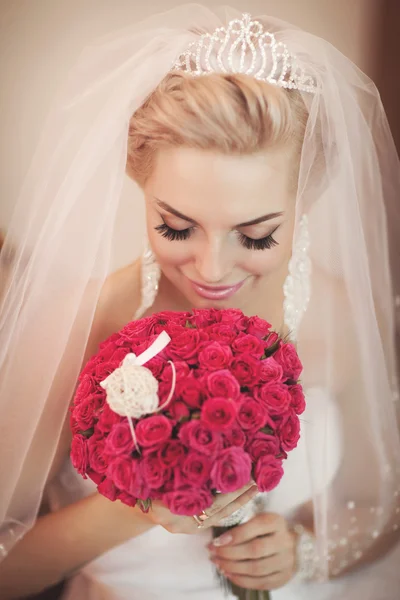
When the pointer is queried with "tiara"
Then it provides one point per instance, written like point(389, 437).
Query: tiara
point(244, 47)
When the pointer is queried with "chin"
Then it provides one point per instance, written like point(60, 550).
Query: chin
point(204, 303)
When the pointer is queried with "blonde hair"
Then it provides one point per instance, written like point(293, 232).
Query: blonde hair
point(232, 114)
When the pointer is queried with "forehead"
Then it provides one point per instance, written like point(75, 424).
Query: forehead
point(204, 184)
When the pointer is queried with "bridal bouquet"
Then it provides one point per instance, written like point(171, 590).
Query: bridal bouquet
point(179, 405)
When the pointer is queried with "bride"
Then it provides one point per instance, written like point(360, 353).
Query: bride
point(270, 182)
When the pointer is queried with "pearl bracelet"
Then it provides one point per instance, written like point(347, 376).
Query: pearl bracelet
point(306, 553)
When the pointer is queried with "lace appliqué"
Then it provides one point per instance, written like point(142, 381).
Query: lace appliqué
point(150, 276)
point(297, 287)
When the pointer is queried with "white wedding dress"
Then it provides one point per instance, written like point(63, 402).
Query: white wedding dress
point(158, 565)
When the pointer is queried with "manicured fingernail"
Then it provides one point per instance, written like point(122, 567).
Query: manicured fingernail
point(223, 540)
point(254, 490)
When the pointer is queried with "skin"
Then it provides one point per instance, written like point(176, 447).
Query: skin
point(219, 192)
point(216, 193)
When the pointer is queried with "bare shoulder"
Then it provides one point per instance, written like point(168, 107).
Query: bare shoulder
point(118, 302)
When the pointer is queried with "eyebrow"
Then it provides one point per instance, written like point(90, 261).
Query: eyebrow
point(178, 214)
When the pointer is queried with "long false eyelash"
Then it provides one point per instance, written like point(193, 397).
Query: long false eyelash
point(264, 243)
point(173, 234)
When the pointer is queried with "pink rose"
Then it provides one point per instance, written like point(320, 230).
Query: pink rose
point(248, 344)
point(223, 384)
point(270, 371)
point(246, 369)
point(235, 318)
point(127, 499)
point(178, 410)
point(170, 316)
point(182, 370)
point(126, 475)
point(234, 437)
point(203, 317)
point(197, 468)
point(120, 440)
point(140, 345)
point(153, 471)
point(252, 415)
point(275, 397)
point(175, 329)
point(80, 454)
point(222, 333)
point(156, 366)
point(171, 454)
point(198, 436)
point(288, 358)
point(86, 387)
point(110, 341)
point(98, 459)
point(289, 431)
point(188, 501)
point(112, 354)
point(298, 402)
point(268, 472)
point(231, 470)
point(154, 430)
point(107, 488)
point(215, 357)
point(262, 444)
point(272, 338)
point(258, 327)
point(107, 419)
point(141, 328)
point(97, 478)
point(190, 391)
point(103, 370)
point(184, 346)
point(218, 413)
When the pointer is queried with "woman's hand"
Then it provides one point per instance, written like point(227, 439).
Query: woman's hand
point(258, 555)
point(224, 506)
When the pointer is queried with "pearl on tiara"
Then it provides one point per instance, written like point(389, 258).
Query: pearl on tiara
point(244, 47)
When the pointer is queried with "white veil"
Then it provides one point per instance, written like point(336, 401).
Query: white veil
point(58, 248)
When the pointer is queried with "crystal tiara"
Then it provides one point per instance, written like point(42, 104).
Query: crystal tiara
point(244, 47)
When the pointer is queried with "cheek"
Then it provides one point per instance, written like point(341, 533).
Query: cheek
point(168, 253)
point(263, 262)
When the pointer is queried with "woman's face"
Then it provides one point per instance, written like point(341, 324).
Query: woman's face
point(221, 226)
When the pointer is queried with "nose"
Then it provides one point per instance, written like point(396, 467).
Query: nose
point(213, 263)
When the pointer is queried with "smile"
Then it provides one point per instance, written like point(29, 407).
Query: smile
point(215, 292)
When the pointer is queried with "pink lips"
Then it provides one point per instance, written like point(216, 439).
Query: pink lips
point(215, 292)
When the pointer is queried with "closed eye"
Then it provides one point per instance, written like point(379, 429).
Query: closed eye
point(265, 243)
point(173, 234)
point(247, 242)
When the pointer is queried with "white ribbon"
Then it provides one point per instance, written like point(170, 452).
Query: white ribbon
point(132, 389)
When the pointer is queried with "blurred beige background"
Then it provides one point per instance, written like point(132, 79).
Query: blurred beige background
point(40, 39)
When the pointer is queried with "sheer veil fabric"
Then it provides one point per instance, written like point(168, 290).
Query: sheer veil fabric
point(57, 256)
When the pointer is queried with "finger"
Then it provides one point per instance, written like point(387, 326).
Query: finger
point(259, 547)
point(260, 525)
point(270, 582)
point(261, 567)
point(223, 500)
point(232, 507)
